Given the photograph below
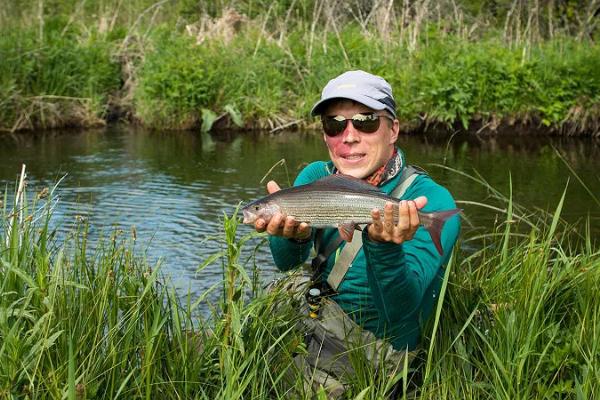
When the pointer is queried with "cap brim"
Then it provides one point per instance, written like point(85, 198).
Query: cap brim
point(367, 101)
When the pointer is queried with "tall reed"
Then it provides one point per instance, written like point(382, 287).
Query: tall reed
point(520, 318)
point(102, 323)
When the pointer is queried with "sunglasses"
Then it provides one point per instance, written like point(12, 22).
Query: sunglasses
point(363, 122)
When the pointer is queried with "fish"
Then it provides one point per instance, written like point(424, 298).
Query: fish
point(338, 201)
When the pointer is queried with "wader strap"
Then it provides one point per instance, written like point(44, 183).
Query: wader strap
point(350, 250)
point(408, 176)
point(344, 261)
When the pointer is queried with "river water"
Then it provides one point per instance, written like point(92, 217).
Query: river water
point(174, 187)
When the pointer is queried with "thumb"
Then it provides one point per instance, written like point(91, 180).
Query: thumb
point(420, 202)
point(272, 187)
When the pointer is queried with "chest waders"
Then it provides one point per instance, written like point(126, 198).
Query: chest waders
point(335, 343)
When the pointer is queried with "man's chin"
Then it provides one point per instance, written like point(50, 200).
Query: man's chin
point(359, 173)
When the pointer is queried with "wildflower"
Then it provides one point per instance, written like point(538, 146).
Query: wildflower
point(43, 193)
point(80, 391)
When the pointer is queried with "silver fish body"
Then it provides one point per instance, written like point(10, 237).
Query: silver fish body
point(321, 208)
point(336, 201)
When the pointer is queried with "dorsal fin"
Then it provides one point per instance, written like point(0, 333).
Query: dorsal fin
point(346, 182)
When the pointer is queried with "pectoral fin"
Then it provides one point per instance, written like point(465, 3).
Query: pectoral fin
point(347, 231)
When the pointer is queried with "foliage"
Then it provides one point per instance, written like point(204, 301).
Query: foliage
point(452, 63)
point(63, 78)
point(519, 320)
point(176, 80)
point(179, 78)
point(102, 323)
point(464, 81)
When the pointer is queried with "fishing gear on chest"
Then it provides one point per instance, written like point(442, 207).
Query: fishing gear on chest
point(322, 288)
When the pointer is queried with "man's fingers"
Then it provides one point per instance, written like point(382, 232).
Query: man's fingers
point(413, 217)
point(388, 217)
point(272, 187)
point(414, 220)
point(420, 202)
point(260, 225)
point(377, 224)
point(403, 217)
point(303, 231)
point(274, 226)
point(289, 227)
point(384, 229)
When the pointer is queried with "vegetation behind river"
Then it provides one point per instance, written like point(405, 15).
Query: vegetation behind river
point(480, 65)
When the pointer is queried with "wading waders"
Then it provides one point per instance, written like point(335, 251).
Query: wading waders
point(335, 343)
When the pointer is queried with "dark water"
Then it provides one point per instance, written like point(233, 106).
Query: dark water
point(175, 187)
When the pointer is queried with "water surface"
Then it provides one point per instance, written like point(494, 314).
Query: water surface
point(174, 187)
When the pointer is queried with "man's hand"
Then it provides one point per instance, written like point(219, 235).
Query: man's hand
point(384, 230)
point(282, 225)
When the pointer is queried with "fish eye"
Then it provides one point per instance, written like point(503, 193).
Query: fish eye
point(256, 208)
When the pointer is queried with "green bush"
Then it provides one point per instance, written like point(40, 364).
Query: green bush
point(179, 78)
point(57, 80)
point(175, 81)
point(458, 81)
point(77, 64)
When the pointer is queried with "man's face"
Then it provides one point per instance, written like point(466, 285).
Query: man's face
point(357, 153)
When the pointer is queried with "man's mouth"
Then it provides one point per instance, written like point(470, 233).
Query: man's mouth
point(353, 157)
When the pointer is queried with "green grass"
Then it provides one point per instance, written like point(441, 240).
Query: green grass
point(463, 64)
point(519, 317)
point(80, 324)
point(448, 82)
point(65, 79)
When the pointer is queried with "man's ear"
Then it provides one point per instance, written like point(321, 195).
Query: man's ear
point(395, 131)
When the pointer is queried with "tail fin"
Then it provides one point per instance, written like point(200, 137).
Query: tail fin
point(434, 222)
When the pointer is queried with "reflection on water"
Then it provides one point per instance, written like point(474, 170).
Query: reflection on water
point(175, 187)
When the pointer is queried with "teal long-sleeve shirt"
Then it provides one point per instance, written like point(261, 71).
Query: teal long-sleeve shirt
point(389, 289)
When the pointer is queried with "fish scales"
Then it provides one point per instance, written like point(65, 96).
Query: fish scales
point(324, 208)
point(338, 200)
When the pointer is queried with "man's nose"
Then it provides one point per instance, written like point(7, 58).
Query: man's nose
point(350, 133)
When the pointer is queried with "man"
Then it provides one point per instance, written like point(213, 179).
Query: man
point(389, 285)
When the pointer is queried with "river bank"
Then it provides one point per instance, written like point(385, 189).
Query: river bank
point(168, 68)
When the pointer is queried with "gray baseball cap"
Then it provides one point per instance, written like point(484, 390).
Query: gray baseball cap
point(371, 90)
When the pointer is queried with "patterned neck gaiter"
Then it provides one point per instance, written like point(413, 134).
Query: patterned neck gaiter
point(385, 172)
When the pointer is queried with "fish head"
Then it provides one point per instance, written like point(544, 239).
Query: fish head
point(260, 209)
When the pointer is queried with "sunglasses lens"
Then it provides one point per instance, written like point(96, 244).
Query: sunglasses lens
point(366, 123)
point(332, 126)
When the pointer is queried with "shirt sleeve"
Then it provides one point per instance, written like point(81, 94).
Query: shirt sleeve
point(288, 254)
point(399, 275)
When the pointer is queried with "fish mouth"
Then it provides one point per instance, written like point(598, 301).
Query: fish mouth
point(248, 217)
